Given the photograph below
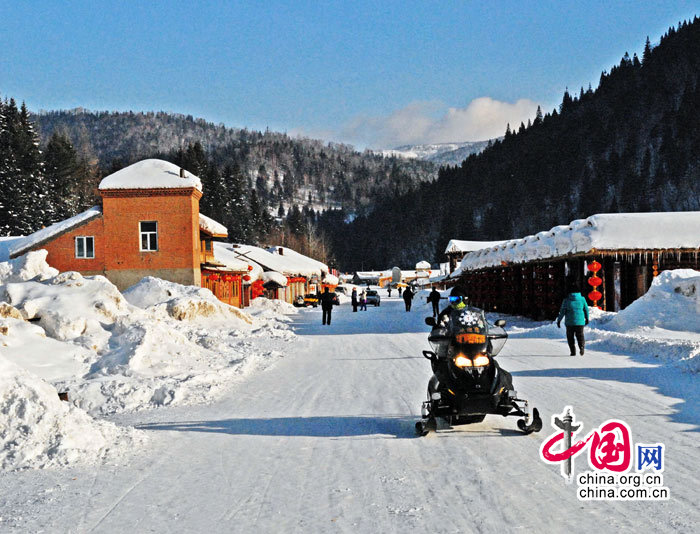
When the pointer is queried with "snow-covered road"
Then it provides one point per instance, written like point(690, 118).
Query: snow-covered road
point(324, 441)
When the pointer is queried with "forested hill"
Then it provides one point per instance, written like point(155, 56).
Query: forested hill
point(632, 144)
point(282, 169)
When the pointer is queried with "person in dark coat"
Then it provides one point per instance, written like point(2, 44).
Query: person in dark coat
point(408, 298)
point(353, 299)
point(400, 291)
point(328, 299)
point(388, 289)
point(434, 299)
point(575, 311)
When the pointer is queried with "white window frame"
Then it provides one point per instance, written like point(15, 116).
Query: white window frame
point(84, 239)
point(149, 234)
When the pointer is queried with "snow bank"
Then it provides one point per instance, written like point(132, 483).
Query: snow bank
point(28, 267)
point(70, 306)
point(184, 303)
point(159, 344)
point(664, 324)
point(39, 430)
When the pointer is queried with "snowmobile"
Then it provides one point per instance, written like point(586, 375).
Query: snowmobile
point(467, 383)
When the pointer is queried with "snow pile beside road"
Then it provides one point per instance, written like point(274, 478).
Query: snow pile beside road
point(39, 430)
point(70, 307)
point(184, 303)
point(663, 324)
point(28, 267)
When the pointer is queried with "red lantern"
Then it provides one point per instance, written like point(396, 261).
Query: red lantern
point(594, 266)
point(214, 277)
point(250, 267)
point(595, 281)
point(595, 296)
point(228, 278)
point(246, 277)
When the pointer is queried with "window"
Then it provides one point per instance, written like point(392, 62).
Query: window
point(85, 247)
point(149, 235)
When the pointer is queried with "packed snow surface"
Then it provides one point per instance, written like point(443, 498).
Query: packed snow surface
point(210, 225)
point(150, 174)
point(609, 231)
point(23, 244)
point(324, 441)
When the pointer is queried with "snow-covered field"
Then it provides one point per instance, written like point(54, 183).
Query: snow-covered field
point(323, 440)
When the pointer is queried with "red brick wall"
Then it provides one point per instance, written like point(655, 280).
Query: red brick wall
point(177, 214)
point(62, 249)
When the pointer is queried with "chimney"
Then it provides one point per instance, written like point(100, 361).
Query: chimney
point(182, 172)
point(281, 251)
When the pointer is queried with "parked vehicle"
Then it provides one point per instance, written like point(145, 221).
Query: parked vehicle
point(302, 301)
point(373, 297)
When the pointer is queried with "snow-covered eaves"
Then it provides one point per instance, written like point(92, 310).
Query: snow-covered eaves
point(331, 280)
point(299, 258)
point(274, 277)
point(601, 232)
point(422, 265)
point(275, 262)
point(44, 235)
point(226, 255)
point(151, 174)
point(211, 227)
point(456, 245)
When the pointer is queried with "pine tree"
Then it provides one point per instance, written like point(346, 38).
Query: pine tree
point(62, 173)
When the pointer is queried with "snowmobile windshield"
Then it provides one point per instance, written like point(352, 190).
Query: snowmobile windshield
point(497, 338)
point(469, 330)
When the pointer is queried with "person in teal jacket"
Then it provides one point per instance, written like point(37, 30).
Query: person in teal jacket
point(575, 310)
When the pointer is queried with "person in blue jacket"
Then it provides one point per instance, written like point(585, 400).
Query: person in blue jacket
point(575, 310)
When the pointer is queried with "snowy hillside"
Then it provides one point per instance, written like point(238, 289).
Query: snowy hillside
point(440, 153)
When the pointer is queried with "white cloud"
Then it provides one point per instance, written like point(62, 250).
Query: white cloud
point(428, 122)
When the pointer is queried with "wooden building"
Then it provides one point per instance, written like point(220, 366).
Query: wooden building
point(611, 258)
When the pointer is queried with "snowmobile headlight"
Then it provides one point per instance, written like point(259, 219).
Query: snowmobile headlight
point(462, 361)
point(481, 361)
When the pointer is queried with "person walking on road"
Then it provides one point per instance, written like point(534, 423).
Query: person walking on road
point(363, 301)
point(400, 291)
point(575, 310)
point(434, 299)
point(328, 299)
point(389, 290)
point(408, 298)
point(353, 299)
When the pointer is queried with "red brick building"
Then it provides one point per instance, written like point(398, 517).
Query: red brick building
point(148, 225)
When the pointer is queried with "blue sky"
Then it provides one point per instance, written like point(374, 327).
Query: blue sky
point(371, 73)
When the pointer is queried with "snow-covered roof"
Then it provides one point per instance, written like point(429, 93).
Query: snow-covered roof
point(274, 276)
point(227, 256)
point(422, 265)
point(40, 237)
point(300, 258)
point(369, 274)
point(457, 245)
point(285, 264)
point(212, 227)
point(150, 174)
point(607, 231)
point(331, 280)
